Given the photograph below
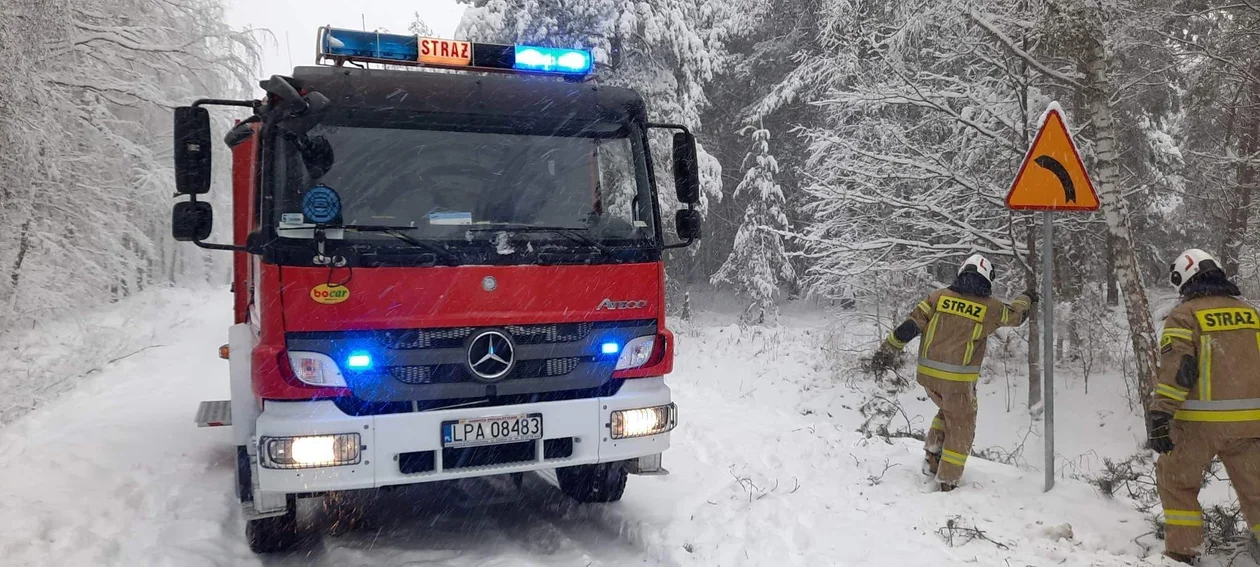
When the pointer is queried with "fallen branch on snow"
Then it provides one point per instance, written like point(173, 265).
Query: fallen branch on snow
point(955, 534)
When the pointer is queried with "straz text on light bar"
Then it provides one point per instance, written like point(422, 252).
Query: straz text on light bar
point(337, 46)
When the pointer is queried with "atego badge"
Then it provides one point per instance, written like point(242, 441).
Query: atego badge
point(1052, 177)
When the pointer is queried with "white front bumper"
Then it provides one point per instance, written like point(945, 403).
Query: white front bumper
point(384, 437)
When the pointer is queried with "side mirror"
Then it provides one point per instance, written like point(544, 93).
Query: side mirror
point(192, 221)
point(688, 222)
point(283, 89)
point(192, 150)
point(686, 168)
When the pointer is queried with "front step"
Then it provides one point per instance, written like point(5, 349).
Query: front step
point(647, 466)
point(217, 413)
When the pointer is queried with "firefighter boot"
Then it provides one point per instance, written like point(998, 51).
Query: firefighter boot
point(1182, 558)
point(930, 463)
point(948, 486)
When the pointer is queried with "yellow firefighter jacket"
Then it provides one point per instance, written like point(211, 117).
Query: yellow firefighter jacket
point(955, 329)
point(1210, 365)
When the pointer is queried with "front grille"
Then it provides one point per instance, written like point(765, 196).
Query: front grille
point(486, 455)
point(451, 373)
point(419, 366)
point(560, 366)
point(412, 374)
point(415, 463)
point(543, 334)
point(454, 337)
point(425, 338)
point(561, 448)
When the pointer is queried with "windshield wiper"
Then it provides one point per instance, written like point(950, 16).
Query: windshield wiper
point(398, 232)
point(567, 232)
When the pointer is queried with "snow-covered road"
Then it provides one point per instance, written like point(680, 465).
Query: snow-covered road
point(116, 473)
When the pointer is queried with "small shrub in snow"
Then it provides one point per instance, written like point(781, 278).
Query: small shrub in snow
point(880, 413)
point(1013, 457)
point(1224, 529)
point(1133, 477)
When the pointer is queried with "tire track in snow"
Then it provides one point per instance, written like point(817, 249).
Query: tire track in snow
point(116, 473)
point(470, 522)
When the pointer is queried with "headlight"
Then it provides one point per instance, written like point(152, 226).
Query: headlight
point(316, 369)
point(636, 352)
point(643, 421)
point(310, 451)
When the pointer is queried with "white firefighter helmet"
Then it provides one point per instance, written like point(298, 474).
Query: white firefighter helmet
point(1189, 264)
point(979, 264)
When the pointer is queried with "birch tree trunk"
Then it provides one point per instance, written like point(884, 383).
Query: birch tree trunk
point(1240, 201)
point(1034, 328)
point(1116, 213)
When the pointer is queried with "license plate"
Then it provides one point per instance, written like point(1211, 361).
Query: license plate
point(492, 430)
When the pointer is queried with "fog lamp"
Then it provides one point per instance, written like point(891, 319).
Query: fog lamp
point(643, 421)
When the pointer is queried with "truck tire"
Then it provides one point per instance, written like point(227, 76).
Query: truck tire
point(605, 482)
point(277, 533)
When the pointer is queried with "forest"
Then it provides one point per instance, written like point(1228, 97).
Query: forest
point(852, 154)
point(86, 175)
point(850, 150)
point(863, 149)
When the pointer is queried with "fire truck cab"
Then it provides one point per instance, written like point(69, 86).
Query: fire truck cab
point(447, 264)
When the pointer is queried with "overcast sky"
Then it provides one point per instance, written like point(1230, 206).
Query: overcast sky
point(294, 23)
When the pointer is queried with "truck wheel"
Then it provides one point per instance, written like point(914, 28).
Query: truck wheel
point(277, 533)
point(604, 482)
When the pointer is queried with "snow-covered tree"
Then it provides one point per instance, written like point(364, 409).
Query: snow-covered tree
point(758, 264)
point(85, 123)
point(669, 51)
point(418, 27)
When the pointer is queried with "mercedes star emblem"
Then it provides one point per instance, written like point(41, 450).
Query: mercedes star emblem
point(488, 283)
point(490, 355)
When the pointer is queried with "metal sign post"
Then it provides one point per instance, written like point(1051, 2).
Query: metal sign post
point(1052, 178)
point(1047, 336)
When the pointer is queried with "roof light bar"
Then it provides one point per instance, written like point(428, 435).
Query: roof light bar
point(554, 60)
point(337, 46)
point(368, 46)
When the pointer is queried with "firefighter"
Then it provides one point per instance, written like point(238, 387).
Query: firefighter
point(1206, 402)
point(955, 323)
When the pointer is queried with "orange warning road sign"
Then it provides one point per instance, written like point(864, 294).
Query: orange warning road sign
point(1052, 177)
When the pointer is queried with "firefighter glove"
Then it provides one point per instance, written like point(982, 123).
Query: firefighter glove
point(1033, 295)
point(1161, 425)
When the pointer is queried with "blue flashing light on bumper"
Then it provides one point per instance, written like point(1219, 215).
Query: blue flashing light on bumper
point(610, 348)
point(359, 361)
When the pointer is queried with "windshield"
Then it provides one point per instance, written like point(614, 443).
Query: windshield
point(460, 185)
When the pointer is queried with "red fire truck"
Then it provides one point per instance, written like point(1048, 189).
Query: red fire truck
point(448, 264)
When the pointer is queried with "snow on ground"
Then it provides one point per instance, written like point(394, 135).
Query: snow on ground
point(767, 469)
point(40, 363)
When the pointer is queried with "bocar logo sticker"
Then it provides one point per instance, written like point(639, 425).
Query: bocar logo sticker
point(330, 294)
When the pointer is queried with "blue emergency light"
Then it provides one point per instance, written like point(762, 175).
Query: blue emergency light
point(339, 46)
point(554, 60)
point(359, 361)
point(352, 44)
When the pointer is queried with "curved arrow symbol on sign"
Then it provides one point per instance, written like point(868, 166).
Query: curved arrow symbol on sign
point(1069, 189)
